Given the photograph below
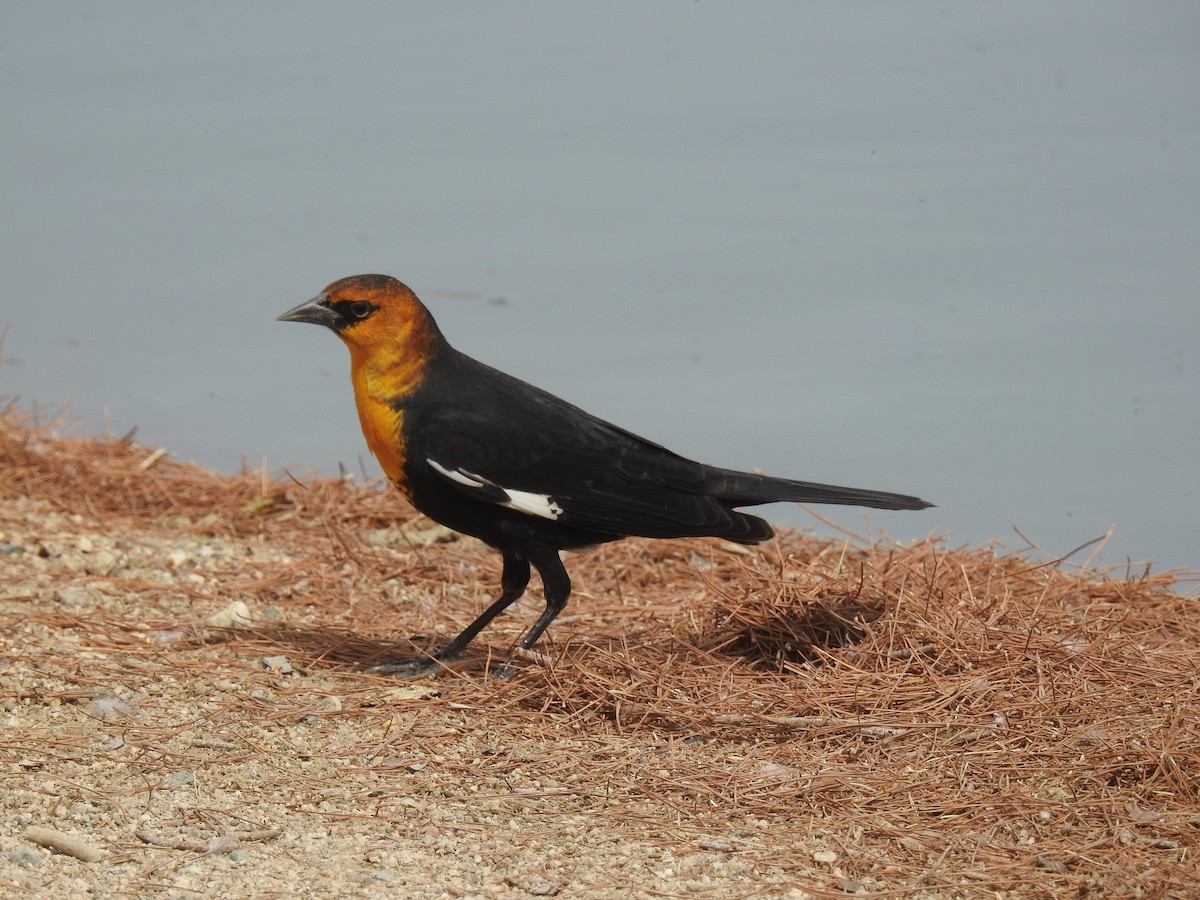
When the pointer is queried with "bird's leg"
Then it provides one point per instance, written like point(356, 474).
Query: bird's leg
point(513, 581)
point(556, 585)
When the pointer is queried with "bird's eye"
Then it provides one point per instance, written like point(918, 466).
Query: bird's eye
point(360, 309)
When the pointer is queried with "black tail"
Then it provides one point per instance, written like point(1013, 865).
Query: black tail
point(745, 489)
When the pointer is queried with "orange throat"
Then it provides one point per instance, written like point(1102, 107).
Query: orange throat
point(380, 426)
point(378, 388)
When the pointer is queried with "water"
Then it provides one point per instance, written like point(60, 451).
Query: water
point(951, 251)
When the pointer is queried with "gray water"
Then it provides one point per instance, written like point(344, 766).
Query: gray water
point(943, 249)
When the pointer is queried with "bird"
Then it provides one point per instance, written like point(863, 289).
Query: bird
point(527, 473)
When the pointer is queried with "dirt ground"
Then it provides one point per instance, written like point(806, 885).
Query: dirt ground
point(184, 713)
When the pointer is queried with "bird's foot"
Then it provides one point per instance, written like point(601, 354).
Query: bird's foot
point(428, 665)
point(407, 668)
point(416, 668)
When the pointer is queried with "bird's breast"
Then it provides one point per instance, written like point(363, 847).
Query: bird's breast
point(382, 426)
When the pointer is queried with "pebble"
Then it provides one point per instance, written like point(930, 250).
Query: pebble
point(76, 596)
point(235, 615)
point(101, 563)
point(708, 842)
point(110, 707)
point(178, 780)
point(1051, 865)
point(535, 884)
point(62, 842)
point(24, 855)
point(438, 534)
point(382, 537)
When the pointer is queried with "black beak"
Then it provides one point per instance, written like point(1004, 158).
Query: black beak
point(316, 311)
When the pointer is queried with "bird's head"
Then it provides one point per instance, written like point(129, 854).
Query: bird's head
point(375, 315)
point(359, 307)
point(391, 336)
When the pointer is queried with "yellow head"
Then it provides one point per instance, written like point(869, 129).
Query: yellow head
point(392, 338)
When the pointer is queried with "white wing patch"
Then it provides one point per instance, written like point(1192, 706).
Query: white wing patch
point(455, 475)
point(532, 504)
point(522, 501)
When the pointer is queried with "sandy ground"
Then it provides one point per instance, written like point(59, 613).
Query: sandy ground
point(182, 701)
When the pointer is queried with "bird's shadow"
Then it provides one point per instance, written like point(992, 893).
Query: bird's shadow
point(324, 646)
point(777, 635)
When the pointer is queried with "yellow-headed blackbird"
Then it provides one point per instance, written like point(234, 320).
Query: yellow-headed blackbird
point(525, 472)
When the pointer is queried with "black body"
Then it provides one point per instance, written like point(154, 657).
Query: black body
point(502, 434)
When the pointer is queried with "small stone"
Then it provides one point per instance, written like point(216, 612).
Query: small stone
point(707, 842)
point(110, 707)
point(438, 534)
point(102, 562)
point(24, 855)
point(235, 615)
point(75, 597)
point(827, 857)
point(535, 884)
point(64, 843)
point(381, 537)
point(277, 664)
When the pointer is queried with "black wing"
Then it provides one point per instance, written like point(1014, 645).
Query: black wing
point(500, 440)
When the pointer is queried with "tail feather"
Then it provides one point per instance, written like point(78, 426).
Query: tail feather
point(745, 489)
